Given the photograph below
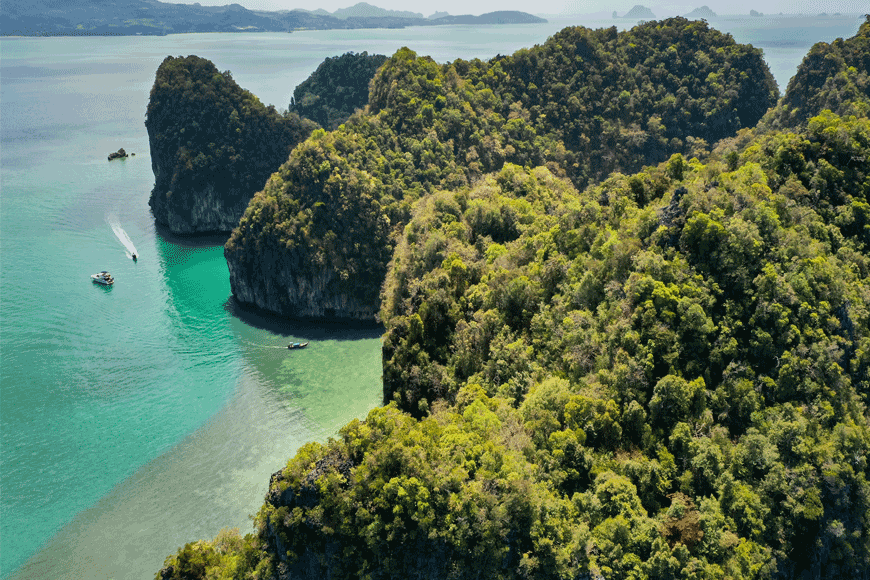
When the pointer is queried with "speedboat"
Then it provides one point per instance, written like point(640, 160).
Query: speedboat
point(103, 278)
point(135, 257)
point(293, 345)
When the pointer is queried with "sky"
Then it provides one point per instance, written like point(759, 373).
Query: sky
point(661, 8)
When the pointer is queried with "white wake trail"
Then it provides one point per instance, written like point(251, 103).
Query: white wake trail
point(255, 345)
point(122, 236)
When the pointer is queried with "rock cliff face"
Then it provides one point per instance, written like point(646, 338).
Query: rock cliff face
point(275, 287)
point(194, 211)
point(315, 241)
point(314, 562)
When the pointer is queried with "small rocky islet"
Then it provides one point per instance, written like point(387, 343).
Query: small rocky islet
point(120, 154)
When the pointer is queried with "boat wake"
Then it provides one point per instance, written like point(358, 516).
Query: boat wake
point(122, 236)
point(268, 346)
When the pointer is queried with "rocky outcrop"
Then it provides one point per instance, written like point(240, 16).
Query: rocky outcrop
point(119, 154)
point(338, 87)
point(702, 12)
point(200, 211)
point(323, 549)
point(315, 242)
point(213, 145)
point(314, 561)
point(276, 286)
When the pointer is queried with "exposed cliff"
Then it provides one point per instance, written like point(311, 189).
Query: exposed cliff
point(213, 145)
point(196, 211)
point(330, 260)
point(277, 287)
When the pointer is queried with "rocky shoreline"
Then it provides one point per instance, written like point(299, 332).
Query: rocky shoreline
point(272, 286)
point(196, 212)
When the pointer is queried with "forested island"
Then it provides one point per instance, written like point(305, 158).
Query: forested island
point(334, 91)
point(214, 144)
point(702, 12)
point(584, 104)
point(639, 11)
point(626, 295)
point(156, 18)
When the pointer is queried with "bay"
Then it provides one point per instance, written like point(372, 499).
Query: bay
point(138, 417)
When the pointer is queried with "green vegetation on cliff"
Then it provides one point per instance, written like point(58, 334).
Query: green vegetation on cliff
point(661, 375)
point(207, 133)
point(584, 104)
point(692, 314)
point(338, 87)
point(621, 101)
point(832, 76)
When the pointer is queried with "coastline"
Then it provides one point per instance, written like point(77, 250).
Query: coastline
point(218, 475)
point(215, 477)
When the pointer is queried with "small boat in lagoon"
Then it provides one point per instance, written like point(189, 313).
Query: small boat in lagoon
point(294, 345)
point(103, 278)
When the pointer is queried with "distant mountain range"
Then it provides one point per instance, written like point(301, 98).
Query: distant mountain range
point(152, 17)
point(365, 10)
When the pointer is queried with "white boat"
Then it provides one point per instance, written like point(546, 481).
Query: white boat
point(103, 278)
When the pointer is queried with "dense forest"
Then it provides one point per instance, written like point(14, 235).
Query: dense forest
point(338, 87)
point(661, 372)
point(584, 104)
point(212, 144)
point(834, 77)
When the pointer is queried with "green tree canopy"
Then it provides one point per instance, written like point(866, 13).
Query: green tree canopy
point(663, 374)
point(207, 133)
point(338, 87)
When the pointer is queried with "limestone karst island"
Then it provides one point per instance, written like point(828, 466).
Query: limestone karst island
point(625, 289)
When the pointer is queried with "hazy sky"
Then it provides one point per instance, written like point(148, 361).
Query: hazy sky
point(661, 8)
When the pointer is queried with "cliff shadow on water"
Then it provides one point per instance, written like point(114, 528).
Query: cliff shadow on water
point(203, 240)
point(303, 328)
point(309, 328)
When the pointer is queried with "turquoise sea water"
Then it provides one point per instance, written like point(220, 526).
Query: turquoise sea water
point(138, 417)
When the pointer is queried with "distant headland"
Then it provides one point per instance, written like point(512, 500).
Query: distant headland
point(702, 12)
point(637, 12)
point(155, 18)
